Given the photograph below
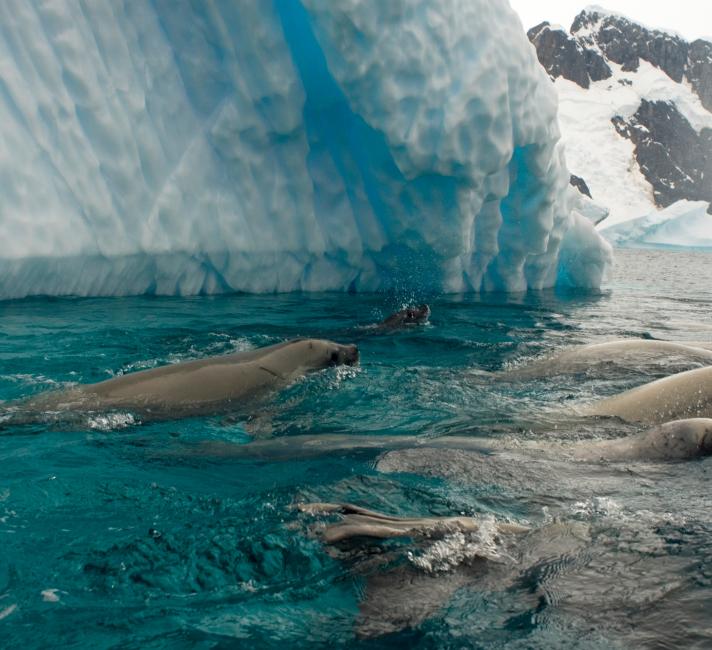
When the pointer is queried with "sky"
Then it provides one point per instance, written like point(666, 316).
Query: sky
point(690, 18)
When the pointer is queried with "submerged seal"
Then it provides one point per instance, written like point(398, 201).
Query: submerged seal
point(676, 440)
point(405, 317)
point(359, 522)
point(202, 386)
point(684, 395)
point(636, 352)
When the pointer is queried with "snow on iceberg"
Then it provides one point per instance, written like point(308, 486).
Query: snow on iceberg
point(166, 147)
point(684, 224)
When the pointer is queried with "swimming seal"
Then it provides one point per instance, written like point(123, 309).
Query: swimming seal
point(405, 318)
point(202, 386)
point(676, 440)
point(627, 352)
point(359, 522)
point(684, 395)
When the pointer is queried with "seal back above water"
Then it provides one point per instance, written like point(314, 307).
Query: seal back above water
point(201, 386)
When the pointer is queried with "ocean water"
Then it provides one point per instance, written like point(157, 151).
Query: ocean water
point(117, 533)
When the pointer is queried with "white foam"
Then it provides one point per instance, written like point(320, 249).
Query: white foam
point(459, 548)
point(50, 595)
point(596, 506)
point(111, 421)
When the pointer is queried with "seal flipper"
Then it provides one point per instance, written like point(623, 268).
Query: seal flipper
point(358, 522)
point(344, 509)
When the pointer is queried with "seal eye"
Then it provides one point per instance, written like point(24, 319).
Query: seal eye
point(334, 358)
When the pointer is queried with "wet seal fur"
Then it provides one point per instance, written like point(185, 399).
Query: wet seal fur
point(675, 440)
point(199, 387)
point(684, 395)
point(582, 358)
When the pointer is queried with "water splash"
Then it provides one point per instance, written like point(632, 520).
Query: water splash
point(461, 548)
point(111, 421)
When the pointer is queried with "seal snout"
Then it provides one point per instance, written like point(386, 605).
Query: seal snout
point(351, 355)
point(341, 355)
point(424, 312)
point(417, 315)
point(706, 441)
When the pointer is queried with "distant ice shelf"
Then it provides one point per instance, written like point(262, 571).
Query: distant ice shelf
point(684, 224)
point(176, 147)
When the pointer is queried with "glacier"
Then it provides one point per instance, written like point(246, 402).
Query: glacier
point(176, 147)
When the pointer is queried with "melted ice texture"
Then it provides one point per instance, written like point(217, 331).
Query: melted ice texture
point(182, 148)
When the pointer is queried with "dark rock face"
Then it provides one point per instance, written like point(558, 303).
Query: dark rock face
point(563, 56)
point(673, 157)
point(625, 43)
point(699, 70)
point(596, 65)
point(596, 37)
point(580, 185)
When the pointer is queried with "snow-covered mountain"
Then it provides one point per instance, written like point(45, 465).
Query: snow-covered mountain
point(635, 109)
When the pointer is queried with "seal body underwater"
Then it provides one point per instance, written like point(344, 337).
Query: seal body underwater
point(631, 352)
point(202, 386)
point(675, 440)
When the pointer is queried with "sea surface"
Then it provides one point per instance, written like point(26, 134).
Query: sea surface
point(115, 533)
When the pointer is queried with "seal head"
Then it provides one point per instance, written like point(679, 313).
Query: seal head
point(341, 355)
point(416, 315)
point(406, 317)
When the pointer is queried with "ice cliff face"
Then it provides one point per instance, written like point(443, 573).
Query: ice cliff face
point(181, 147)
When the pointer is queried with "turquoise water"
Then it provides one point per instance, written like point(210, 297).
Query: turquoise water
point(115, 533)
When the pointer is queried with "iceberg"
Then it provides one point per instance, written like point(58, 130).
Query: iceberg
point(684, 224)
point(176, 147)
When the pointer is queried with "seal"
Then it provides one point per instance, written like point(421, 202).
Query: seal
point(405, 584)
point(676, 440)
point(406, 317)
point(203, 386)
point(707, 345)
point(357, 522)
point(625, 353)
point(684, 395)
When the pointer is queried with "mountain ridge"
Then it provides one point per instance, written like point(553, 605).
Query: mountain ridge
point(635, 110)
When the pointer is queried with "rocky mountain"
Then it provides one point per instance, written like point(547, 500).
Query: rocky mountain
point(635, 111)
